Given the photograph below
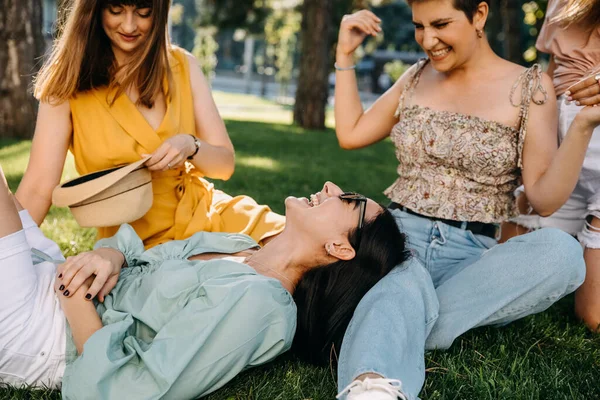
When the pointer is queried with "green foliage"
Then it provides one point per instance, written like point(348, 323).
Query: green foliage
point(184, 16)
point(235, 14)
point(205, 48)
point(395, 69)
point(281, 34)
point(398, 30)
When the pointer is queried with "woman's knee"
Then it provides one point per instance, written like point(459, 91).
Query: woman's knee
point(561, 254)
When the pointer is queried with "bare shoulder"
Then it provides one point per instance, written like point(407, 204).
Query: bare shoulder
point(196, 75)
point(529, 78)
point(399, 85)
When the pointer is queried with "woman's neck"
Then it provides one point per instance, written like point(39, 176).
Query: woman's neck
point(282, 259)
point(477, 64)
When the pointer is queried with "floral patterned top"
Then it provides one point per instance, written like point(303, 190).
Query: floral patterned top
point(457, 166)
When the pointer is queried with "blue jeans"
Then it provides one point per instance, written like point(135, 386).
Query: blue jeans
point(455, 281)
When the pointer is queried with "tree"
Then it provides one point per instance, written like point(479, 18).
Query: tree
point(312, 91)
point(21, 43)
point(511, 25)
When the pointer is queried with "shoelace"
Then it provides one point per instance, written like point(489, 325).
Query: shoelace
point(391, 386)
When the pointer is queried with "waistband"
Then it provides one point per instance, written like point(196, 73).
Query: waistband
point(478, 228)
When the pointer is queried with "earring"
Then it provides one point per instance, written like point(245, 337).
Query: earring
point(480, 33)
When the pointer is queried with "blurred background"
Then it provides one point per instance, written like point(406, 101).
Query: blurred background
point(281, 50)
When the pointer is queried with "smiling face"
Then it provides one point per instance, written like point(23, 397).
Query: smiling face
point(445, 33)
point(326, 217)
point(127, 26)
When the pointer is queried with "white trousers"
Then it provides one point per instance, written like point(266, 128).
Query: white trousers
point(32, 324)
point(584, 202)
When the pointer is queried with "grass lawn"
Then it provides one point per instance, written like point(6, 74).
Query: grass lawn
point(547, 356)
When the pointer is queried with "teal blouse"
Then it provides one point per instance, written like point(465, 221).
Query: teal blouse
point(179, 329)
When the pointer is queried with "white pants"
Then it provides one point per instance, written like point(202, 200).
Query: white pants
point(584, 202)
point(32, 324)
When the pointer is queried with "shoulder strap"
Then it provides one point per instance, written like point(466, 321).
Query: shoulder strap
point(530, 81)
point(410, 86)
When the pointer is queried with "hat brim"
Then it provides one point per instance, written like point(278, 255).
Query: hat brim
point(82, 188)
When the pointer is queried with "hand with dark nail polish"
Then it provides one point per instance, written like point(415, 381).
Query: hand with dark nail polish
point(66, 292)
point(61, 288)
point(88, 296)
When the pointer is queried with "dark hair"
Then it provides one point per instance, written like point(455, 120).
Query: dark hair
point(467, 6)
point(326, 297)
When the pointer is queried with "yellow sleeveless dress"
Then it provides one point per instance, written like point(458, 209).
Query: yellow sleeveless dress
point(184, 203)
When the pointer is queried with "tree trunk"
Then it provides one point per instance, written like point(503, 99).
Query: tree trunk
point(21, 43)
point(511, 25)
point(312, 91)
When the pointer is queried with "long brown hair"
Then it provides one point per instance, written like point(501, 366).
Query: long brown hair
point(82, 58)
point(584, 12)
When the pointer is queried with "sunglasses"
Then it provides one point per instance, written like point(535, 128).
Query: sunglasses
point(362, 202)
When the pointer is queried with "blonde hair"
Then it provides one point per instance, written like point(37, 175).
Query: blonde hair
point(585, 12)
point(82, 59)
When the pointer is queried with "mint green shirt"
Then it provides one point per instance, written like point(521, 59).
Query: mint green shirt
point(179, 329)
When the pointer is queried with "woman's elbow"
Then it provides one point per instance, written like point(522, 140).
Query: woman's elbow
point(546, 210)
point(346, 144)
point(227, 173)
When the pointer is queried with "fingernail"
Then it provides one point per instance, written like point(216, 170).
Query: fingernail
point(88, 296)
point(61, 288)
point(577, 103)
point(569, 98)
point(568, 92)
point(59, 276)
point(66, 292)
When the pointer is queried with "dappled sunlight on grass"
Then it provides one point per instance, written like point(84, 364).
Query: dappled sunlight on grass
point(258, 162)
point(241, 107)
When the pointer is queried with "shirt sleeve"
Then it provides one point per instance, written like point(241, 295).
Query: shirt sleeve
point(196, 352)
point(127, 242)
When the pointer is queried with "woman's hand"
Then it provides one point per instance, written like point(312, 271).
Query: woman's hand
point(354, 29)
point(586, 92)
point(172, 153)
point(101, 267)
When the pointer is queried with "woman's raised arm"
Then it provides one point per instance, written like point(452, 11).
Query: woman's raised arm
point(354, 127)
point(47, 158)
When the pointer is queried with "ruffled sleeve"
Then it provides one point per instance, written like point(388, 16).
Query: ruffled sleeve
point(127, 242)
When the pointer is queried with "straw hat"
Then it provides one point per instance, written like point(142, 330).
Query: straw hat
point(109, 197)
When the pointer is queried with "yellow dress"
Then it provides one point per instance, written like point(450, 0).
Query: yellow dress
point(184, 203)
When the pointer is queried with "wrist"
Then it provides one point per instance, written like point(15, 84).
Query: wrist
point(195, 147)
point(344, 60)
point(582, 127)
point(114, 256)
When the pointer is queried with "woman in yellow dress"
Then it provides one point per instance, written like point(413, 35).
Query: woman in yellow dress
point(114, 90)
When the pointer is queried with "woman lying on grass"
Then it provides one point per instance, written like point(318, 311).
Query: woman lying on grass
point(183, 318)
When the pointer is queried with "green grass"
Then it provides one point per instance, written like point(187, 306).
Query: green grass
point(546, 356)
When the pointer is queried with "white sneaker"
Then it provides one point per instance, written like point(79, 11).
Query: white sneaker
point(374, 389)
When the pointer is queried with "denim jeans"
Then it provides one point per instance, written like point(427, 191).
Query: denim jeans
point(455, 281)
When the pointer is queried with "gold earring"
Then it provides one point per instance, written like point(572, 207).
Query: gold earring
point(480, 33)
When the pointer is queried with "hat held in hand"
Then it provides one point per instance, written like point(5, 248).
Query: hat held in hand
point(109, 197)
